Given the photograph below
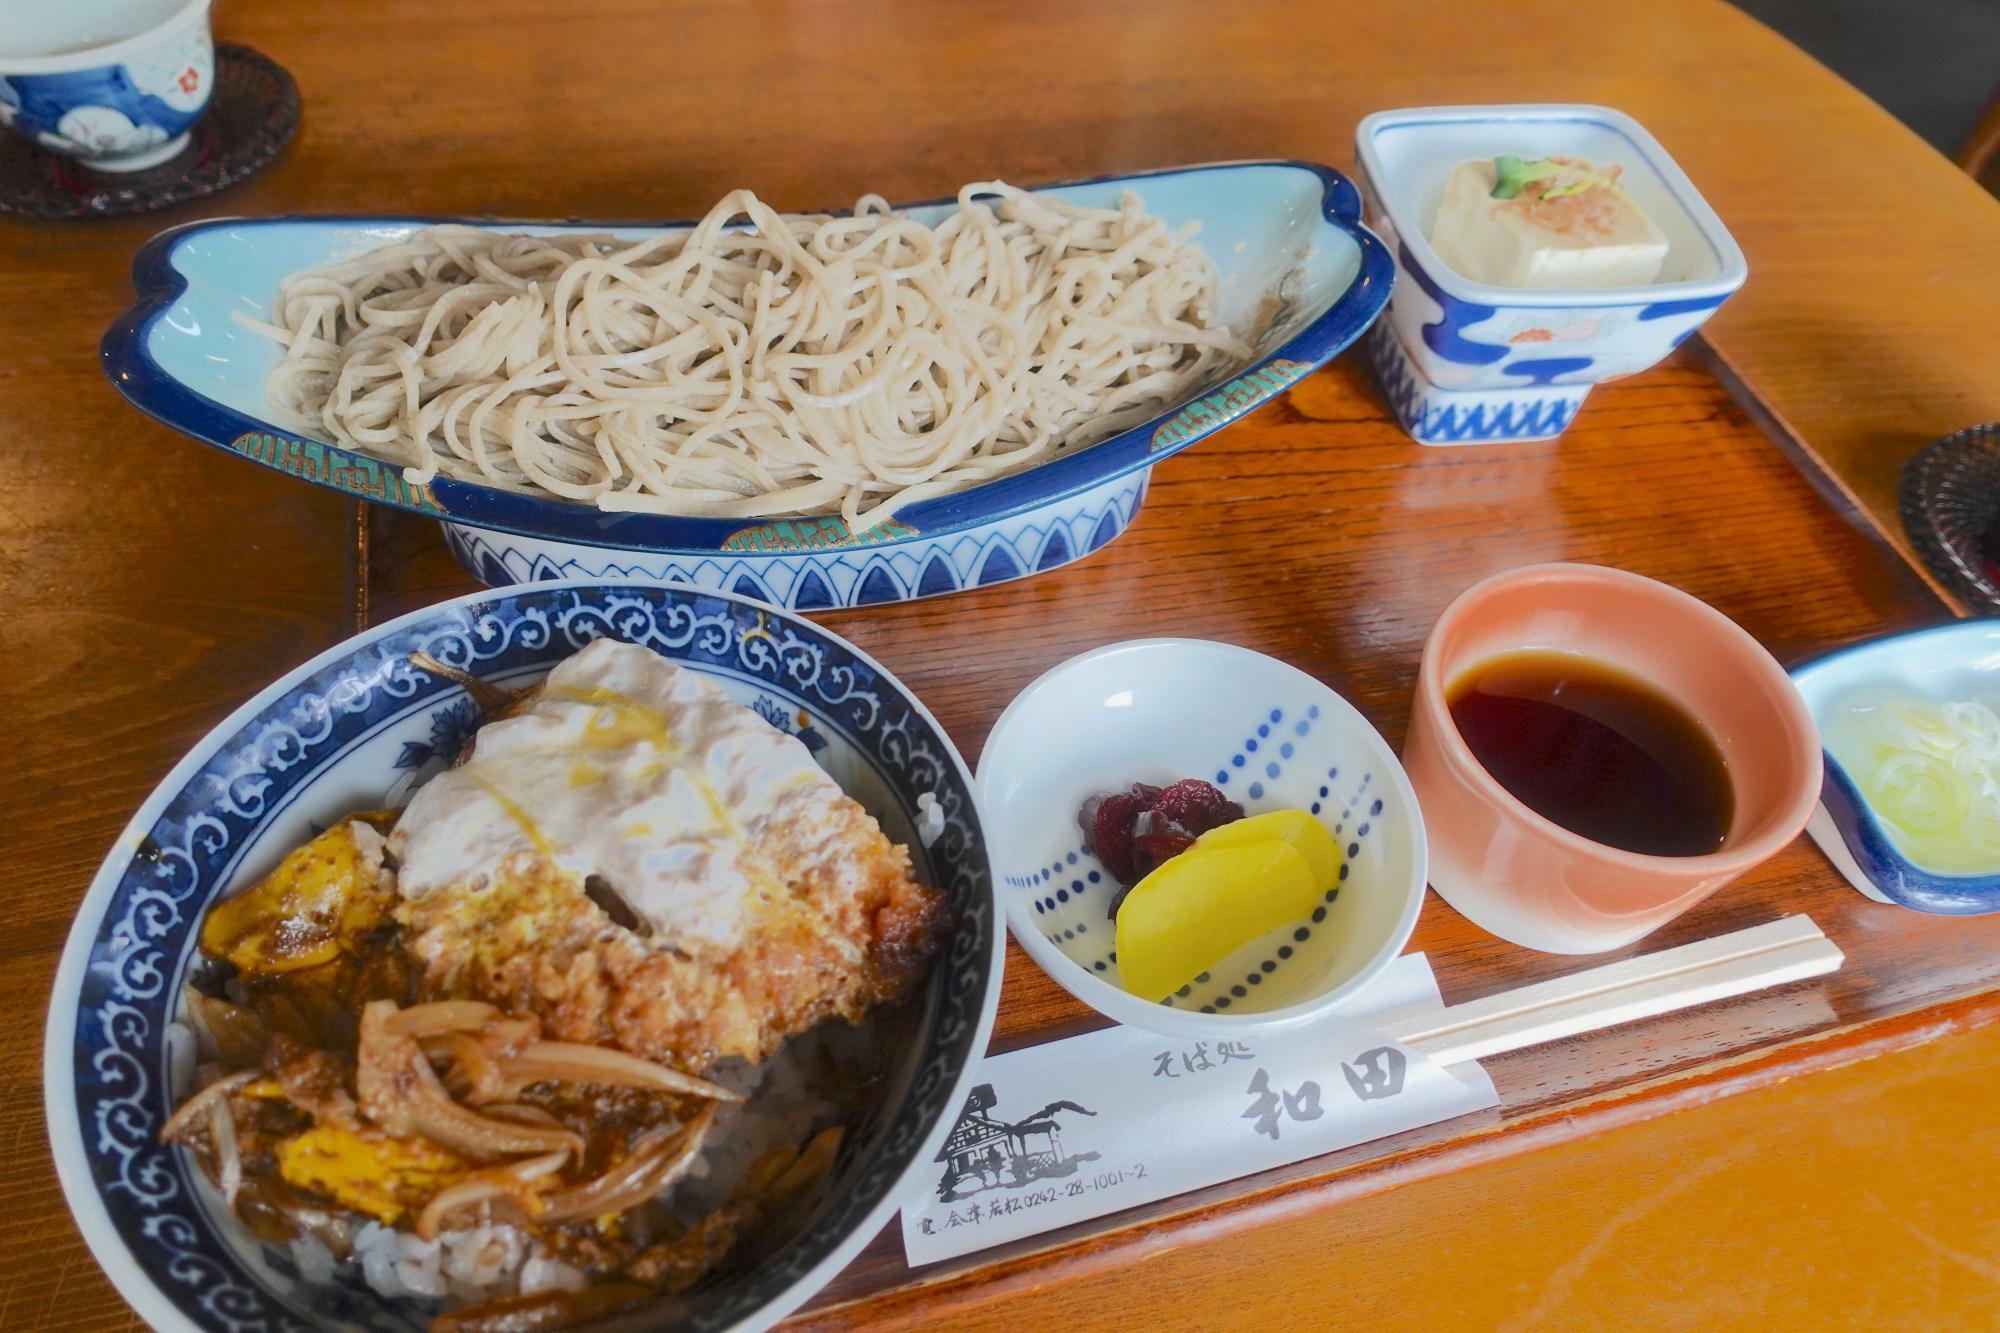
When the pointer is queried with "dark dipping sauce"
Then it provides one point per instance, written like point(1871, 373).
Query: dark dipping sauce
point(1597, 751)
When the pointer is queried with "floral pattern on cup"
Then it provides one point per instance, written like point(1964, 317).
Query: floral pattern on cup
point(123, 114)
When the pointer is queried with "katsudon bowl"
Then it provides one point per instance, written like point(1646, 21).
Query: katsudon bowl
point(354, 726)
point(1301, 278)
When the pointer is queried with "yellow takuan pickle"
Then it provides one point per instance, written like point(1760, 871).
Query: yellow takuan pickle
point(1305, 833)
point(1202, 906)
point(1237, 882)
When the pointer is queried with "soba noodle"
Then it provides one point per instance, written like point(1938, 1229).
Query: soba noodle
point(801, 364)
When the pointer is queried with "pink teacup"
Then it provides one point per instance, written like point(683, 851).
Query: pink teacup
point(1529, 880)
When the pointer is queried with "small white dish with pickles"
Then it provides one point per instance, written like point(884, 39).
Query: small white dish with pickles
point(1540, 250)
point(1241, 934)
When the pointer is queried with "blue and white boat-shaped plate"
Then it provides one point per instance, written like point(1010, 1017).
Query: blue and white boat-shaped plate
point(1948, 662)
point(1301, 277)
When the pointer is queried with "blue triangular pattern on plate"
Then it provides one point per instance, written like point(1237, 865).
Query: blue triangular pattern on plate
point(1107, 528)
point(1055, 553)
point(937, 578)
point(999, 567)
point(877, 585)
point(812, 593)
point(489, 569)
point(745, 586)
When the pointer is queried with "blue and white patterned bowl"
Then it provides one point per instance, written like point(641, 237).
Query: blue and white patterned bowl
point(1956, 661)
point(1286, 237)
point(334, 736)
point(1465, 363)
point(115, 84)
point(1271, 737)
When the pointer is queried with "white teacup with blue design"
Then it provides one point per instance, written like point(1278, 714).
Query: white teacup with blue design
point(1462, 362)
point(115, 84)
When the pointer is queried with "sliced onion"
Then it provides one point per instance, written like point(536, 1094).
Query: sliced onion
point(812, 1163)
point(681, 1160)
point(234, 1034)
point(228, 1157)
point(1930, 770)
point(573, 1062)
point(196, 1108)
point(656, 1162)
point(426, 1020)
point(458, 1083)
point(520, 1113)
point(498, 1183)
point(603, 1195)
point(477, 1075)
point(433, 1114)
point(1920, 792)
point(510, 1036)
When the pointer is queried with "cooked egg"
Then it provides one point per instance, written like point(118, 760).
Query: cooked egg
point(318, 902)
point(366, 1170)
point(634, 771)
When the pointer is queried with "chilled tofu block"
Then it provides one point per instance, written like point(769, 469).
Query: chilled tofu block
point(1554, 224)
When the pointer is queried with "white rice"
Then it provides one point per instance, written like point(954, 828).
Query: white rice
point(470, 1264)
point(930, 819)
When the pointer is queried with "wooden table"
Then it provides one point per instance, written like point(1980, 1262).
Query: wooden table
point(151, 585)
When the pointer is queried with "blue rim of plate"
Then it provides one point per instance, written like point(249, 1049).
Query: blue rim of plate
point(167, 400)
point(1898, 878)
point(105, 1061)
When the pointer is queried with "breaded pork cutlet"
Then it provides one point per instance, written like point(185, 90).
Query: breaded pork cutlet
point(643, 862)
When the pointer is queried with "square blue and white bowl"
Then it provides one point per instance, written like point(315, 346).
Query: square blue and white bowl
point(1948, 662)
point(1462, 362)
point(1271, 738)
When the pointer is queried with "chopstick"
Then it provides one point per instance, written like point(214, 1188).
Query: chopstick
point(1788, 949)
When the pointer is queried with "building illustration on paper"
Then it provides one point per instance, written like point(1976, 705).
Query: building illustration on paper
point(985, 1152)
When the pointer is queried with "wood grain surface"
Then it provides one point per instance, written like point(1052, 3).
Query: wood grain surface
point(151, 585)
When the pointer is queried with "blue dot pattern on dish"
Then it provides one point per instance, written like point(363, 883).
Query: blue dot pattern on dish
point(1086, 899)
